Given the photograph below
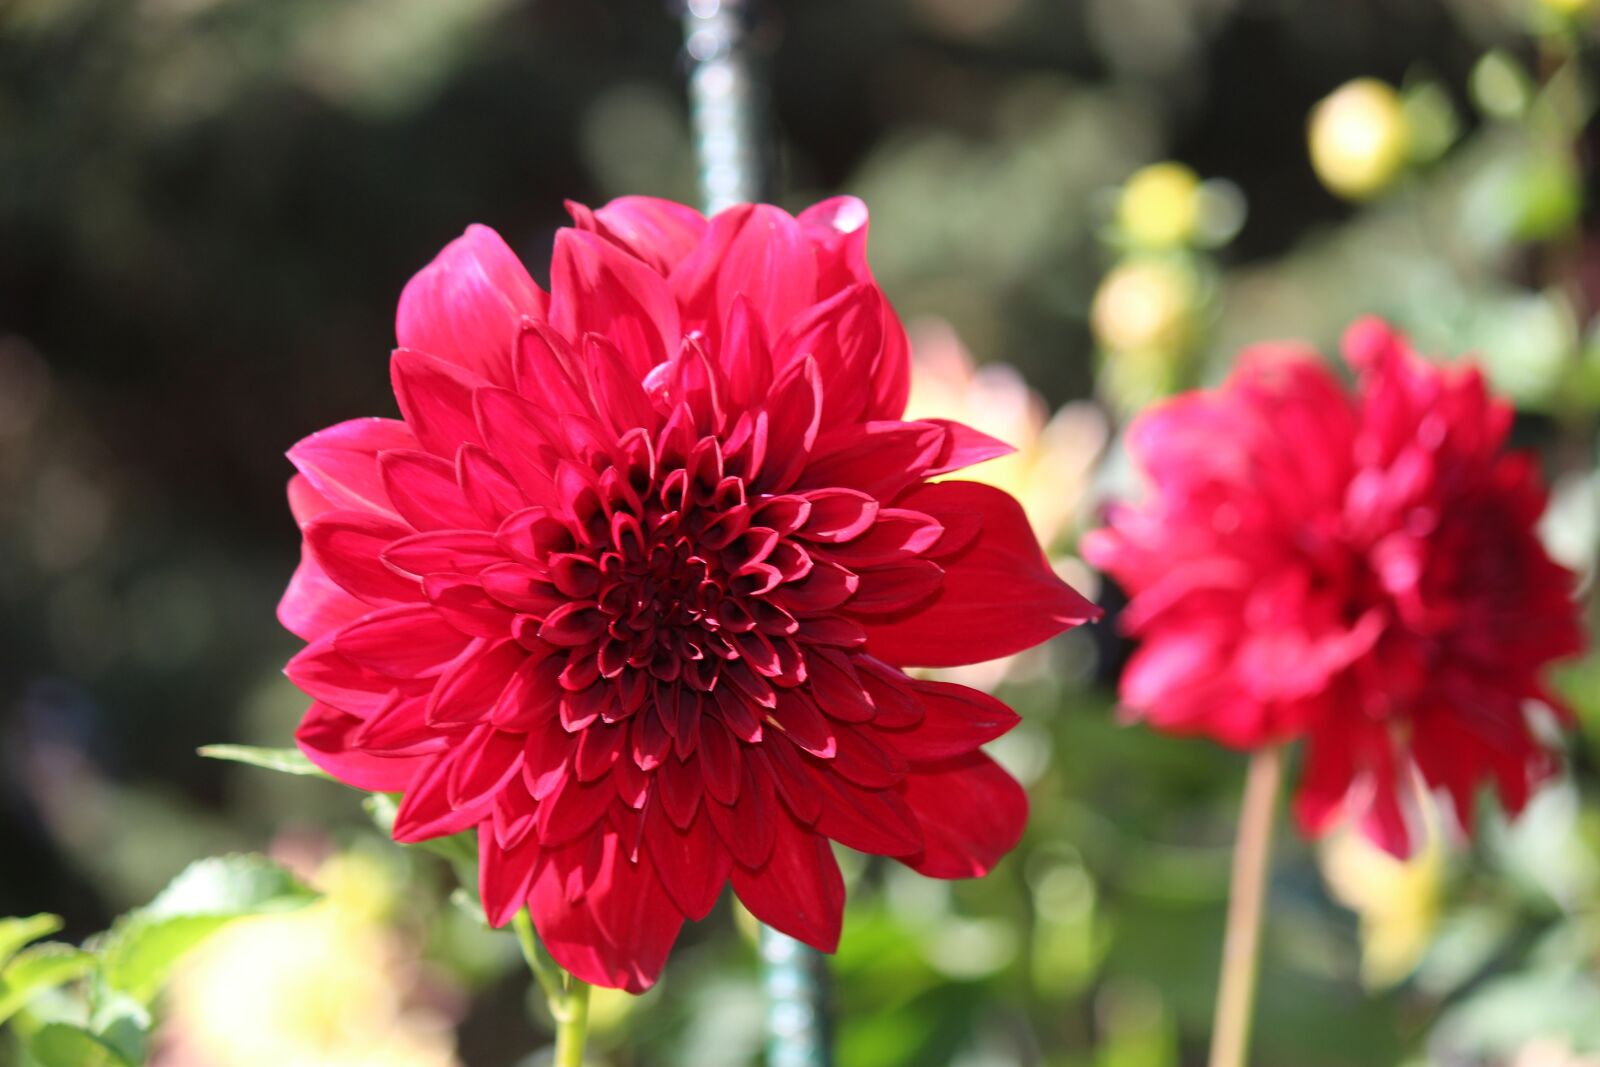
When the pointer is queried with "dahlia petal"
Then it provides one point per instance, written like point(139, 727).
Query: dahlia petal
point(423, 489)
point(465, 306)
point(599, 749)
point(878, 458)
point(596, 287)
point(436, 399)
point(756, 251)
point(999, 595)
point(895, 705)
point(719, 758)
point(324, 737)
point(548, 374)
point(531, 697)
point(348, 546)
point(797, 715)
point(956, 720)
point(505, 877)
point(691, 862)
point(487, 486)
point(618, 934)
point(747, 356)
point(485, 762)
point(966, 447)
point(322, 673)
point(305, 503)
point(521, 588)
point(896, 586)
point(837, 688)
point(470, 687)
point(459, 552)
point(844, 333)
point(514, 432)
point(615, 386)
point(341, 462)
point(404, 641)
point(781, 761)
point(313, 604)
point(746, 827)
point(425, 810)
point(824, 587)
point(972, 813)
point(876, 821)
point(463, 604)
point(572, 809)
point(897, 534)
point(865, 761)
point(838, 514)
point(838, 229)
point(400, 727)
point(659, 232)
point(679, 788)
point(794, 414)
point(799, 890)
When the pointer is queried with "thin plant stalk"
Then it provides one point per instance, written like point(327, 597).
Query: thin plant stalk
point(1247, 900)
point(567, 996)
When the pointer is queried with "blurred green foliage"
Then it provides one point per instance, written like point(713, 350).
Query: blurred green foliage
point(208, 207)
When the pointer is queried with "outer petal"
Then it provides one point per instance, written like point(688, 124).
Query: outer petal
point(659, 232)
point(799, 890)
point(596, 287)
point(972, 814)
point(618, 933)
point(324, 737)
point(999, 594)
point(467, 305)
point(341, 462)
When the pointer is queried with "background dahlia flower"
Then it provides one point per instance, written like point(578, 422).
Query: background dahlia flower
point(630, 585)
point(1358, 569)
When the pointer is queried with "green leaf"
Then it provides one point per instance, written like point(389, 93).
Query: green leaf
point(36, 969)
point(123, 1023)
point(144, 946)
point(14, 933)
point(65, 1045)
point(283, 760)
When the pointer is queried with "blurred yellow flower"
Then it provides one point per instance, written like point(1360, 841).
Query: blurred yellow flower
point(1360, 139)
point(327, 986)
point(1396, 901)
point(1145, 304)
point(1160, 206)
point(1566, 7)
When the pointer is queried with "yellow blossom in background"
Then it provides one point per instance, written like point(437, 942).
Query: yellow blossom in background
point(1397, 902)
point(327, 986)
point(1144, 305)
point(1566, 7)
point(1159, 207)
point(1360, 139)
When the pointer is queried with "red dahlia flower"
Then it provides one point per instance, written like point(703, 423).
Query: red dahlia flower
point(630, 586)
point(1359, 570)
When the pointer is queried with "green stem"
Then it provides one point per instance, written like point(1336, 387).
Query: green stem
point(1247, 895)
point(567, 996)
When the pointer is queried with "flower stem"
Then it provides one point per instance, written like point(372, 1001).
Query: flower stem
point(567, 996)
point(1247, 894)
point(572, 1023)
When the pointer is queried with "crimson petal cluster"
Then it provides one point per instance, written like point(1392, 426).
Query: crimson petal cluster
point(1361, 570)
point(630, 586)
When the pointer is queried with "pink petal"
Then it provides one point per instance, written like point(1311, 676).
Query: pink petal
point(466, 306)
